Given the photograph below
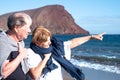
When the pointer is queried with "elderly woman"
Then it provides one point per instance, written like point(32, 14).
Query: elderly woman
point(46, 56)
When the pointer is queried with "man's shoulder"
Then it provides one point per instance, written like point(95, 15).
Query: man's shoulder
point(2, 36)
point(1, 29)
point(2, 33)
point(3, 39)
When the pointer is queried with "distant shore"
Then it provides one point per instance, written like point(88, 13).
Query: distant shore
point(92, 74)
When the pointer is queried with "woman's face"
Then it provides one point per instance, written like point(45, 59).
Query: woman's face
point(47, 43)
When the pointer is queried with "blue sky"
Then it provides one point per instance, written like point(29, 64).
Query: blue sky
point(95, 16)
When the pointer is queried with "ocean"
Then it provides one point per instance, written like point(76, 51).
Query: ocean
point(99, 55)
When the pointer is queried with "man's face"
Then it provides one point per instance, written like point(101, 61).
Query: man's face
point(23, 31)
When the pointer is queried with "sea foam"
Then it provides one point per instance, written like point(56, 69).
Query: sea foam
point(96, 66)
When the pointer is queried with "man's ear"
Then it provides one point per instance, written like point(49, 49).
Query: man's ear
point(16, 28)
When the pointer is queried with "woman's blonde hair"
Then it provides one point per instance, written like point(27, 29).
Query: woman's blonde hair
point(40, 34)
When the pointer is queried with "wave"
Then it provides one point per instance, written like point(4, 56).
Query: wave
point(107, 52)
point(96, 66)
point(99, 59)
point(110, 57)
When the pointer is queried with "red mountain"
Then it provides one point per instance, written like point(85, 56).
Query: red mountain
point(53, 17)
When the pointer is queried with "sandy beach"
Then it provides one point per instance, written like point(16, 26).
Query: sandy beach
point(92, 74)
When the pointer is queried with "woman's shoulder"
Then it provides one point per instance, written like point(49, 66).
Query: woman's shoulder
point(31, 53)
point(32, 59)
point(30, 50)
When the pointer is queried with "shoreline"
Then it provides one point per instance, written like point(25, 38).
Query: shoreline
point(92, 74)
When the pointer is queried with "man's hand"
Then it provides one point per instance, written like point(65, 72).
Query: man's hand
point(22, 51)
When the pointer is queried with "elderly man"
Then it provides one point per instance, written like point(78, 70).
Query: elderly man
point(18, 29)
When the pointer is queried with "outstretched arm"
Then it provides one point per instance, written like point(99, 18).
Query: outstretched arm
point(80, 40)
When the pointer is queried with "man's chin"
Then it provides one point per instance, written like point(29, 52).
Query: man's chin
point(26, 37)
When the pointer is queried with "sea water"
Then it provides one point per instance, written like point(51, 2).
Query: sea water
point(100, 55)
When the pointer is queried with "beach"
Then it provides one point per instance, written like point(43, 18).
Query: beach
point(92, 74)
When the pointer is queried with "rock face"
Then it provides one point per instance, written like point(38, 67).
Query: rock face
point(53, 17)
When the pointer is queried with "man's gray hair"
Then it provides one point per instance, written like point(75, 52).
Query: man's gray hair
point(17, 19)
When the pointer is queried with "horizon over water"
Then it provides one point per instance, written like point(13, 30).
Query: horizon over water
point(100, 55)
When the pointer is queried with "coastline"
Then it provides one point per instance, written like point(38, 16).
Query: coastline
point(92, 74)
